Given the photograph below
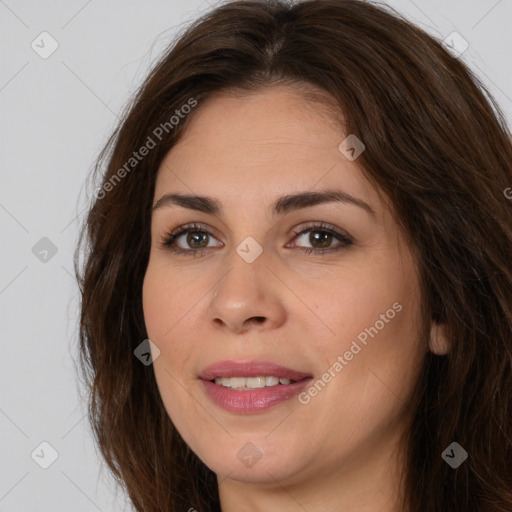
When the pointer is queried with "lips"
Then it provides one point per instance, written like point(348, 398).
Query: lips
point(251, 369)
point(251, 401)
point(254, 401)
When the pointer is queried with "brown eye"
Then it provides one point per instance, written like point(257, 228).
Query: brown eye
point(196, 240)
point(321, 237)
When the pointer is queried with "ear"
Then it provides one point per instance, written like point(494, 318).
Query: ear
point(438, 343)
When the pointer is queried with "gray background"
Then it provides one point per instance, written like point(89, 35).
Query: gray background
point(56, 113)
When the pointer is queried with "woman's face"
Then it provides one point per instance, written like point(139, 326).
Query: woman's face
point(347, 315)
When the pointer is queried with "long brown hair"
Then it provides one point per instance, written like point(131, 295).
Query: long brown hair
point(436, 143)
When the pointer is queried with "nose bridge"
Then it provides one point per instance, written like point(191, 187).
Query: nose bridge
point(246, 262)
point(246, 293)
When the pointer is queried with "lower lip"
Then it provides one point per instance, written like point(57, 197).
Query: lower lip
point(253, 401)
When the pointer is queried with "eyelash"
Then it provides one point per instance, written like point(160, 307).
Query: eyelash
point(168, 239)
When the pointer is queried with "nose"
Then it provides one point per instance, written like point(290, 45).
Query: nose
point(248, 296)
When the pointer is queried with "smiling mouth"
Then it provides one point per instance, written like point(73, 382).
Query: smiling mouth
point(252, 394)
point(251, 387)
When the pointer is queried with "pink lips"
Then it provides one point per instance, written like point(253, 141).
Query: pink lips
point(251, 401)
point(250, 369)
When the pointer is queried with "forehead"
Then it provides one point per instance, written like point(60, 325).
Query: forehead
point(261, 145)
point(268, 119)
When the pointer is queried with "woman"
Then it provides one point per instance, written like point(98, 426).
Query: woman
point(297, 290)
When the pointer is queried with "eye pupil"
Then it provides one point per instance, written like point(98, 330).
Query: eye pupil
point(315, 236)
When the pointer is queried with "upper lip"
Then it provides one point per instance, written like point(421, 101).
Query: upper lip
point(250, 369)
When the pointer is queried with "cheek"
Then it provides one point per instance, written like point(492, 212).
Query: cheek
point(162, 302)
point(169, 295)
point(363, 306)
point(154, 304)
point(168, 316)
point(374, 318)
point(162, 313)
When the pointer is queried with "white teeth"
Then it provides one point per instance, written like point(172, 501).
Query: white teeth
point(250, 382)
point(235, 382)
point(271, 381)
point(224, 382)
point(255, 382)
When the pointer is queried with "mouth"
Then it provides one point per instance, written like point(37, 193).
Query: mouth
point(253, 386)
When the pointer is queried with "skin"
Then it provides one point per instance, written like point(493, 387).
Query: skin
point(340, 451)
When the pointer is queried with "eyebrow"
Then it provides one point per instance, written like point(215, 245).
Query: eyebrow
point(281, 206)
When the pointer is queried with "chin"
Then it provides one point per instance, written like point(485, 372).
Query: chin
point(256, 461)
